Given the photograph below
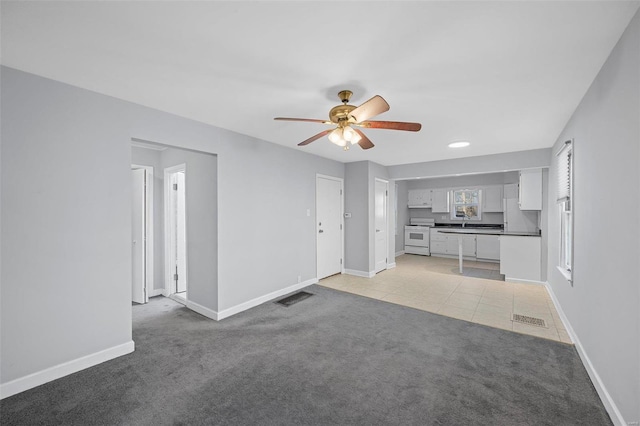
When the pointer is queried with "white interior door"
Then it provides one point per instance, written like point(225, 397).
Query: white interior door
point(329, 226)
point(181, 233)
point(138, 226)
point(381, 245)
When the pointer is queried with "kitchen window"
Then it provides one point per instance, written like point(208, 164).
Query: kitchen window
point(466, 204)
point(564, 187)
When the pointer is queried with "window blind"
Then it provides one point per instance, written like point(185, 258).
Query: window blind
point(564, 172)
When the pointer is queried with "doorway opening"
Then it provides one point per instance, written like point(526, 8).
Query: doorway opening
point(141, 233)
point(176, 280)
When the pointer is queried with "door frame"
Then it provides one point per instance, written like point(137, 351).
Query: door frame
point(315, 227)
point(168, 249)
point(148, 240)
point(386, 224)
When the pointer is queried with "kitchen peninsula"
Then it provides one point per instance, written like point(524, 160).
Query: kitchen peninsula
point(520, 254)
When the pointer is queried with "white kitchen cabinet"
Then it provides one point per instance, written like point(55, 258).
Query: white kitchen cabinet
point(438, 242)
point(452, 245)
point(492, 199)
point(448, 244)
point(440, 200)
point(468, 245)
point(488, 247)
point(520, 258)
point(419, 198)
point(530, 190)
point(438, 247)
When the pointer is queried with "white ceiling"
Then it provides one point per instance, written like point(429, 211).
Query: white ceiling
point(505, 76)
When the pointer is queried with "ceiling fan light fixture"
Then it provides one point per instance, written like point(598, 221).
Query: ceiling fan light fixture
point(348, 134)
point(460, 144)
point(337, 137)
point(356, 138)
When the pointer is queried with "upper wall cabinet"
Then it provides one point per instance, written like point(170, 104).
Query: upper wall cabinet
point(492, 199)
point(419, 198)
point(440, 200)
point(530, 190)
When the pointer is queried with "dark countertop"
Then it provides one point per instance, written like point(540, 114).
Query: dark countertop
point(470, 225)
point(485, 231)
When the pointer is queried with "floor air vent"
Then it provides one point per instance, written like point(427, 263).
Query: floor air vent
point(294, 298)
point(538, 322)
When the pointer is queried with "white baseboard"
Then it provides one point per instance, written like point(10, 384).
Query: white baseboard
point(363, 274)
point(202, 310)
point(399, 253)
point(605, 397)
point(156, 292)
point(391, 265)
point(260, 300)
point(520, 281)
point(57, 371)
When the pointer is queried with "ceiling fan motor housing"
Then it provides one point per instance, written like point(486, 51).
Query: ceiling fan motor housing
point(340, 114)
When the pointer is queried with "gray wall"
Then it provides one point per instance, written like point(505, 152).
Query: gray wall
point(360, 228)
point(150, 157)
point(465, 180)
point(202, 222)
point(603, 304)
point(509, 161)
point(403, 213)
point(378, 171)
point(356, 202)
point(544, 225)
point(66, 225)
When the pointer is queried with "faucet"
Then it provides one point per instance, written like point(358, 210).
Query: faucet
point(464, 218)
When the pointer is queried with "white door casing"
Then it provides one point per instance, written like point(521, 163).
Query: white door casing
point(381, 224)
point(175, 230)
point(138, 225)
point(329, 225)
point(181, 233)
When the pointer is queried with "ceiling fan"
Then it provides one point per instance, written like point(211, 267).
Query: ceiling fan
point(345, 116)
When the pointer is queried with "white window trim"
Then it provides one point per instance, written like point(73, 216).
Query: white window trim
point(567, 272)
point(452, 214)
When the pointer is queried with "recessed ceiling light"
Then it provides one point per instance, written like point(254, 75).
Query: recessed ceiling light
point(458, 144)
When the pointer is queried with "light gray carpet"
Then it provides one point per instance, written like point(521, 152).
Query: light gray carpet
point(332, 359)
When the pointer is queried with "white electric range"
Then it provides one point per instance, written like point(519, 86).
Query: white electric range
point(416, 236)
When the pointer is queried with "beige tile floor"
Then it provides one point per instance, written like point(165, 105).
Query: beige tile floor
point(434, 284)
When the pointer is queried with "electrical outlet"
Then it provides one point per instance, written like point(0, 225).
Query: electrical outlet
point(444, 217)
point(299, 279)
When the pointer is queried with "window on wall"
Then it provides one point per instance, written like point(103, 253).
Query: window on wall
point(564, 189)
point(466, 204)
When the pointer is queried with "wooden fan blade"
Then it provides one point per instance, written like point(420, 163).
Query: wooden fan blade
point(364, 141)
point(374, 106)
point(391, 125)
point(310, 120)
point(313, 138)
